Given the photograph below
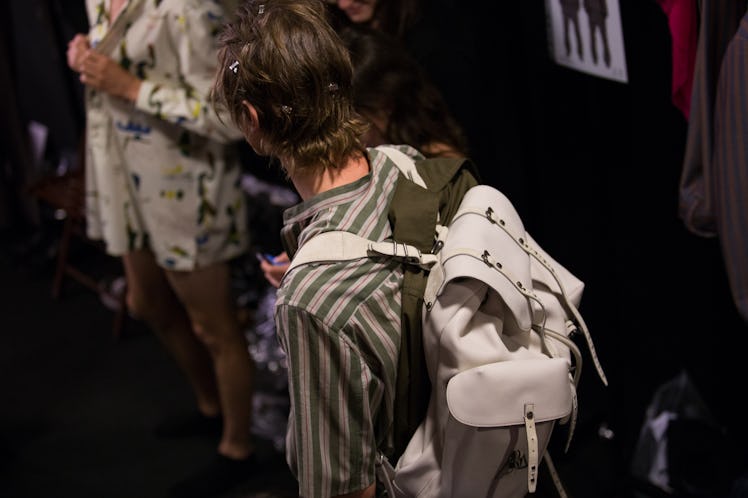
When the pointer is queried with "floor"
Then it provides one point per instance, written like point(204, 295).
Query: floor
point(79, 406)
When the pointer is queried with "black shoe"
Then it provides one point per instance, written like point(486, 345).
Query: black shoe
point(187, 425)
point(219, 476)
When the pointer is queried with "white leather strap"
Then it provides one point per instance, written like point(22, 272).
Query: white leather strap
point(532, 447)
point(386, 474)
point(554, 476)
point(337, 245)
point(404, 252)
point(331, 246)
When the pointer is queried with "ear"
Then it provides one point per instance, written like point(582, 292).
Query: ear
point(251, 128)
point(250, 114)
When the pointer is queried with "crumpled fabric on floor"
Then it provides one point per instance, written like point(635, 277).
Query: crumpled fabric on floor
point(682, 450)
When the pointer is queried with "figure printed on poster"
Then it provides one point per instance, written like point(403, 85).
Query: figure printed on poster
point(570, 10)
point(597, 50)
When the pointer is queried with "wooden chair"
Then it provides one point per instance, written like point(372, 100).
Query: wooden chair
point(66, 194)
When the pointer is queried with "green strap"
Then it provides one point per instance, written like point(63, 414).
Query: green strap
point(413, 215)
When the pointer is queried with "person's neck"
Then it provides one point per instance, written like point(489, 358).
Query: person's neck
point(355, 168)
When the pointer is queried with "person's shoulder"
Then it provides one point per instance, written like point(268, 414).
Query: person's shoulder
point(311, 290)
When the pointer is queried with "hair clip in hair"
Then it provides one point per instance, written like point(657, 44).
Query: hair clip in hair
point(287, 109)
point(234, 67)
point(332, 87)
point(261, 10)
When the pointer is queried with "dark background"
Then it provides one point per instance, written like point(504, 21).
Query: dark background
point(591, 165)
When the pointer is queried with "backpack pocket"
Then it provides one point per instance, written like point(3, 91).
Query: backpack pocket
point(482, 450)
point(492, 409)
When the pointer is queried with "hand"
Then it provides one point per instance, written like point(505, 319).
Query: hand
point(274, 271)
point(103, 73)
point(77, 48)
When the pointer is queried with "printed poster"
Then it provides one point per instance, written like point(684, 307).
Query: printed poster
point(586, 35)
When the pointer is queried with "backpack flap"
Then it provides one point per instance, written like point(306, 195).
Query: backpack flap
point(495, 395)
point(485, 248)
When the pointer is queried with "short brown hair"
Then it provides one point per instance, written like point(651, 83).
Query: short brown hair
point(284, 57)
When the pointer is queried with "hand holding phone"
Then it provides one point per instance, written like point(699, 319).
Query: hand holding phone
point(273, 267)
point(263, 256)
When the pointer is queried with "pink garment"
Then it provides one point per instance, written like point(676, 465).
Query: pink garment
point(684, 29)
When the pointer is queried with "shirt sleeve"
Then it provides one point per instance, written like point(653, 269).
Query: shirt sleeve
point(330, 440)
point(728, 176)
point(193, 30)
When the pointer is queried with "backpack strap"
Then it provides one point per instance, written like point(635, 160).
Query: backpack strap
point(416, 214)
point(339, 245)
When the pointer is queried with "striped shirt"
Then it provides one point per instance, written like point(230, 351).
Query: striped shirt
point(339, 325)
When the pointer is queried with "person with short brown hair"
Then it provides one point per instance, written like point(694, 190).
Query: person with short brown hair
point(286, 81)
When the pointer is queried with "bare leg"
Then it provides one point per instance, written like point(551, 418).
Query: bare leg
point(206, 294)
point(150, 298)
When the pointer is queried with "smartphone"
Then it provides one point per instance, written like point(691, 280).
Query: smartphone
point(263, 256)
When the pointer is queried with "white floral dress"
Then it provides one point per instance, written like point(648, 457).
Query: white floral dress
point(163, 173)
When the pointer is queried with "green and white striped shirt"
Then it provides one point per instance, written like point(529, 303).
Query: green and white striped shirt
point(339, 324)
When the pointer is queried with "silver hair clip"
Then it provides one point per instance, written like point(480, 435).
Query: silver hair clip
point(261, 10)
point(332, 87)
point(234, 67)
point(287, 109)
